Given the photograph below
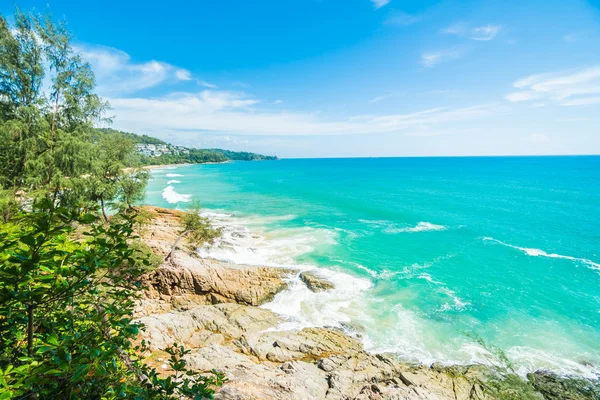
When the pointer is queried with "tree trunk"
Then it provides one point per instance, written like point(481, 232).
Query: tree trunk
point(168, 257)
point(103, 210)
point(54, 118)
point(30, 330)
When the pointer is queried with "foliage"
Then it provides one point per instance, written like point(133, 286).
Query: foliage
point(134, 137)
point(66, 328)
point(48, 144)
point(143, 251)
point(199, 156)
point(192, 156)
point(242, 155)
point(185, 383)
point(196, 229)
point(114, 179)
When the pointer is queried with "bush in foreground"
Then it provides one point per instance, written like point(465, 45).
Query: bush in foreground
point(66, 305)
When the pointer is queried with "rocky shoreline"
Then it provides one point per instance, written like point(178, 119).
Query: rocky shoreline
point(212, 308)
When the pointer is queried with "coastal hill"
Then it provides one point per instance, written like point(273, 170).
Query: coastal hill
point(154, 151)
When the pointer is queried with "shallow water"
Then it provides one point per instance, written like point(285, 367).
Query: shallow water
point(424, 252)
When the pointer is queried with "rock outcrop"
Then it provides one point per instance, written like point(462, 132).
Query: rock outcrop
point(313, 363)
point(315, 282)
point(554, 387)
point(197, 281)
point(187, 280)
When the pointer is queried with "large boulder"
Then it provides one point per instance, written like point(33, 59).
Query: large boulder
point(555, 387)
point(201, 324)
point(315, 282)
point(189, 280)
point(308, 344)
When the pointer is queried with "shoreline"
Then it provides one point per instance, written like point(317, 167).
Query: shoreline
point(151, 167)
point(170, 305)
point(159, 166)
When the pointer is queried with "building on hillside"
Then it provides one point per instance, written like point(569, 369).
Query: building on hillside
point(151, 150)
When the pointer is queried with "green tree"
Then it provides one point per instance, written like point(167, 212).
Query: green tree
point(49, 147)
point(111, 182)
point(196, 229)
point(132, 186)
point(21, 100)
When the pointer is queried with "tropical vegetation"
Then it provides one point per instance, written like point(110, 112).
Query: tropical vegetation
point(70, 273)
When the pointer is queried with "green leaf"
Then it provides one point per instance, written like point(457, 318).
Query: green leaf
point(132, 329)
point(28, 240)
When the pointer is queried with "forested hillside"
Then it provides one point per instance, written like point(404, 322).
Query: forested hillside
point(180, 154)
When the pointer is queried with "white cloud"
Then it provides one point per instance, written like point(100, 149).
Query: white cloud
point(233, 113)
point(183, 75)
point(380, 3)
point(117, 74)
point(522, 96)
point(482, 33)
point(206, 84)
point(432, 58)
point(569, 88)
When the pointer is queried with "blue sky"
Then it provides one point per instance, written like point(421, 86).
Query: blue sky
point(325, 78)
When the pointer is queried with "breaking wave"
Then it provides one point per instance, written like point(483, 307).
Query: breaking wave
point(172, 197)
point(541, 253)
point(392, 228)
point(420, 227)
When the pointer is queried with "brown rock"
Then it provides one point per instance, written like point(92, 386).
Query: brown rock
point(190, 281)
point(315, 282)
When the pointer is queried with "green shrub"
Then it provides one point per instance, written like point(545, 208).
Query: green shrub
point(143, 251)
point(66, 306)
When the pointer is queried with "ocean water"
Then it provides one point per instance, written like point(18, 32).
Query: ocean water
point(427, 254)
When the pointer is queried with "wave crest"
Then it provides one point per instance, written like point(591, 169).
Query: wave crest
point(172, 197)
point(420, 227)
point(541, 253)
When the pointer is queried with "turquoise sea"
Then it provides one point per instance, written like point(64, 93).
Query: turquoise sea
point(426, 253)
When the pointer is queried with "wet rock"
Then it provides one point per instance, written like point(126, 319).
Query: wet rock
point(555, 387)
point(315, 282)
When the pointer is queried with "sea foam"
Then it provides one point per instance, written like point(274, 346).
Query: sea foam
point(172, 197)
point(172, 181)
point(173, 175)
point(541, 253)
point(420, 227)
point(390, 227)
point(246, 240)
